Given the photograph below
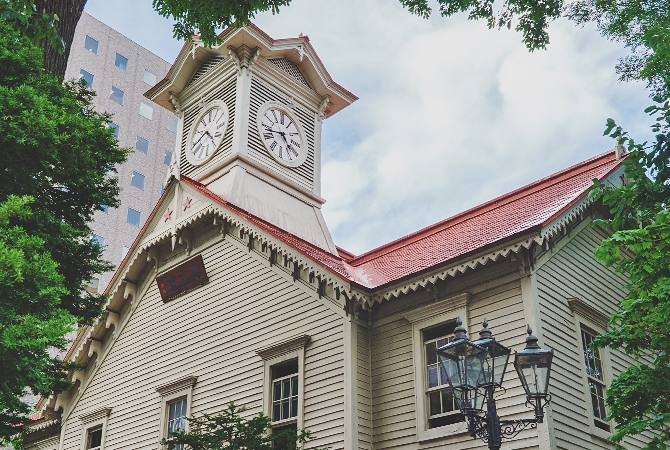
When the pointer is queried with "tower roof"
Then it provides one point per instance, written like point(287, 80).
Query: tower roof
point(298, 50)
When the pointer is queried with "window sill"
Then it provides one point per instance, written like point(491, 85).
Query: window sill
point(442, 432)
point(600, 434)
point(281, 423)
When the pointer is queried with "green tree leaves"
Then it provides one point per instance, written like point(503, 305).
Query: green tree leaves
point(57, 166)
point(639, 399)
point(228, 430)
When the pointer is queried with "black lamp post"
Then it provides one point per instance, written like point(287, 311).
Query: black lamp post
point(476, 369)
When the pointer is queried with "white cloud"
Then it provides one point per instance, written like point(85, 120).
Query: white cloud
point(450, 114)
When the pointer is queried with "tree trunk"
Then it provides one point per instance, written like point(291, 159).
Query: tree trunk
point(69, 13)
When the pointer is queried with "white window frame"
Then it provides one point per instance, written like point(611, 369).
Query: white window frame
point(593, 320)
point(169, 392)
point(278, 353)
point(422, 318)
point(95, 419)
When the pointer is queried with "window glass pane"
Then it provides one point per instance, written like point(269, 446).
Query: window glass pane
point(121, 62)
point(124, 251)
point(448, 403)
point(133, 217)
point(94, 283)
point(435, 406)
point(167, 160)
point(99, 240)
point(137, 180)
point(87, 77)
point(172, 124)
point(116, 95)
point(286, 388)
point(294, 406)
point(116, 129)
point(276, 411)
point(104, 209)
point(294, 386)
point(432, 376)
point(277, 391)
point(94, 439)
point(142, 145)
point(146, 111)
point(91, 45)
point(431, 355)
point(285, 409)
point(149, 78)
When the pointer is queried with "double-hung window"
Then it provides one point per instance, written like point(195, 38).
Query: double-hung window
point(176, 419)
point(94, 438)
point(596, 379)
point(442, 408)
point(285, 391)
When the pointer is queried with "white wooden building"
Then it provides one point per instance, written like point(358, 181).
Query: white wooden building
point(234, 287)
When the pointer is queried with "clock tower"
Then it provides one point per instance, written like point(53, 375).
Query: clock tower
point(250, 113)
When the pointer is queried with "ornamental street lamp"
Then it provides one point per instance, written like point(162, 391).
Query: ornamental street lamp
point(474, 370)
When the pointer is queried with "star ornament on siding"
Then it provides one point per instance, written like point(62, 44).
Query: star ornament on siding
point(187, 203)
point(167, 215)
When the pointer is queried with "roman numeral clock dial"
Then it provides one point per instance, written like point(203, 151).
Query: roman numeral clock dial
point(281, 134)
point(207, 132)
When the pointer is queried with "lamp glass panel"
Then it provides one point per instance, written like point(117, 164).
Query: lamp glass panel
point(533, 370)
point(463, 363)
point(496, 360)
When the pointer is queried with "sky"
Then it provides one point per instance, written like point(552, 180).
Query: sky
point(450, 114)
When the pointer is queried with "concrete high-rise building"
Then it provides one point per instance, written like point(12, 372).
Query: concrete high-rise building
point(120, 71)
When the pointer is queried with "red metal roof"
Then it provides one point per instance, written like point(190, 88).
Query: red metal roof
point(513, 214)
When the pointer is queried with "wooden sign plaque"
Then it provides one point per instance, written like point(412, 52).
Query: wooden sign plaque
point(181, 279)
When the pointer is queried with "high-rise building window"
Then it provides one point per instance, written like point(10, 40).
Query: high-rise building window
point(137, 180)
point(149, 77)
point(87, 77)
point(167, 159)
point(142, 145)
point(172, 124)
point(146, 111)
point(91, 45)
point(104, 208)
point(99, 240)
point(124, 251)
point(115, 127)
point(121, 62)
point(116, 95)
point(133, 217)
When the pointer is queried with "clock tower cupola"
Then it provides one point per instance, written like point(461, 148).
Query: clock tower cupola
point(250, 113)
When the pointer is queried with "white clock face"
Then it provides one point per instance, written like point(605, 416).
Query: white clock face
point(280, 132)
point(207, 132)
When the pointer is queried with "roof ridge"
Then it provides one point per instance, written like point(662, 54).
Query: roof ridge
point(482, 208)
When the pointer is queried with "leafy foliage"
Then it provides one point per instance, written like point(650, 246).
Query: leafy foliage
point(639, 399)
point(31, 319)
point(22, 16)
point(643, 26)
point(228, 430)
point(56, 155)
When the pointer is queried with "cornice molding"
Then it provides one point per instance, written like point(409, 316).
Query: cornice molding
point(177, 385)
point(96, 414)
point(459, 301)
point(579, 306)
point(283, 347)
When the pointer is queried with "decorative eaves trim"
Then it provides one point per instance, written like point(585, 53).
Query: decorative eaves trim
point(561, 222)
point(43, 425)
point(453, 270)
point(440, 307)
point(96, 414)
point(284, 346)
point(579, 306)
point(177, 385)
